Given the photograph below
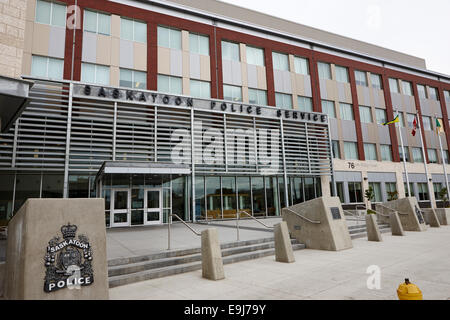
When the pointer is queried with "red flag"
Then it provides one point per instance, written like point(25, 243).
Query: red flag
point(414, 127)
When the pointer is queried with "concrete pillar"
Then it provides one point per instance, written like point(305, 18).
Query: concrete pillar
point(212, 264)
point(325, 185)
point(283, 245)
point(431, 218)
point(396, 225)
point(373, 232)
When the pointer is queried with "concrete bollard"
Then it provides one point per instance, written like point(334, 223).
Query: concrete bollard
point(373, 232)
point(283, 245)
point(396, 225)
point(212, 264)
point(431, 217)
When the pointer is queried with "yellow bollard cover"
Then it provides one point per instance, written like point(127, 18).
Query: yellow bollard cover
point(409, 291)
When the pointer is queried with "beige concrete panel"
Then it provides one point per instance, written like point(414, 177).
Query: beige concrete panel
point(262, 82)
point(333, 71)
point(115, 51)
point(115, 26)
point(381, 102)
point(243, 52)
point(294, 97)
point(103, 49)
point(163, 60)
point(245, 94)
point(361, 96)
point(348, 92)
point(205, 69)
point(373, 133)
point(41, 39)
point(186, 64)
point(332, 90)
point(244, 74)
point(186, 86)
point(29, 31)
point(140, 56)
point(185, 40)
point(300, 84)
point(31, 10)
point(26, 63)
point(291, 63)
point(114, 76)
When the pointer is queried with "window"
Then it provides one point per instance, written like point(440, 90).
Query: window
point(169, 38)
point(381, 115)
point(407, 88)
point(370, 151)
point(355, 192)
point(170, 84)
point(447, 96)
point(97, 22)
point(133, 30)
point(335, 149)
point(401, 153)
point(280, 61)
point(301, 65)
point(305, 104)
point(437, 187)
point(133, 79)
point(230, 51)
point(328, 108)
point(200, 89)
point(426, 123)
point(232, 93)
point(401, 120)
point(410, 118)
point(199, 44)
point(441, 125)
point(346, 111)
point(422, 91)
point(445, 156)
point(256, 96)
point(386, 154)
point(350, 151)
point(376, 81)
point(393, 85)
point(365, 114)
point(422, 189)
point(51, 13)
point(94, 73)
point(283, 100)
point(376, 187)
point(341, 74)
point(360, 78)
point(46, 67)
point(417, 155)
point(433, 93)
point(255, 56)
point(411, 188)
point(324, 70)
point(390, 187)
point(432, 155)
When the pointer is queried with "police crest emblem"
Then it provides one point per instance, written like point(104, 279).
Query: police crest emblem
point(68, 261)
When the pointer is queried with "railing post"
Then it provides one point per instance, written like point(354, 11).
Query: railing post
point(237, 226)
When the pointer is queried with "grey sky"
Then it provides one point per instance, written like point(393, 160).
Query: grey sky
point(416, 27)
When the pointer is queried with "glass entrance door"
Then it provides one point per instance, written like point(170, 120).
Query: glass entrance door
point(120, 207)
point(153, 206)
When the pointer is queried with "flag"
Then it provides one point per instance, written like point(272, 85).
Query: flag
point(414, 126)
point(392, 121)
point(438, 126)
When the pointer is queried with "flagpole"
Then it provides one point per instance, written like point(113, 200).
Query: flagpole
point(424, 159)
point(404, 162)
point(443, 163)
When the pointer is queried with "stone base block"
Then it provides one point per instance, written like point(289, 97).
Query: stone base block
point(409, 213)
point(443, 215)
point(431, 218)
point(373, 232)
point(396, 225)
point(283, 245)
point(212, 264)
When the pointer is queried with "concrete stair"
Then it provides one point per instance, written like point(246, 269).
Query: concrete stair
point(129, 270)
point(360, 231)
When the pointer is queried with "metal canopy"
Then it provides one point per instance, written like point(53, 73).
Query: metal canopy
point(13, 100)
point(136, 167)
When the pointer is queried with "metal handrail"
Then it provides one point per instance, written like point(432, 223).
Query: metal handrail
point(190, 228)
point(169, 224)
point(381, 214)
point(360, 205)
point(352, 214)
point(379, 204)
point(260, 222)
point(305, 218)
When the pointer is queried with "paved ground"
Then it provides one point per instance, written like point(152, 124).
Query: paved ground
point(424, 257)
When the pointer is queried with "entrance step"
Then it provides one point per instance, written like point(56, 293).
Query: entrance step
point(360, 231)
point(134, 269)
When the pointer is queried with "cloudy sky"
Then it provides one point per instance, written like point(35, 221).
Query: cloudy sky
point(416, 27)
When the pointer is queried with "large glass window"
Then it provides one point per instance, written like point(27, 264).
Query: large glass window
point(410, 119)
point(433, 93)
point(340, 191)
point(169, 84)
point(437, 187)
point(381, 115)
point(27, 186)
point(417, 154)
point(6, 197)
point(50, 13)
point(133, 79)
point(301, 65)
point(169, 38)
point(304, 104)
point(230, 51)
point(256, 96)
point(272, 196)
point(361, 78)
point(355, 192)
point(297, 190)
point(229, 197)
point(422, 190)
point(199, 44)
point(407, 88)
point(386, 153)
point(328, 108)
point(94, 73)
point(400, 151)
point(200, 89)
point(346, 111)
point(393, 85)
point(244, 195)
point(370, 151)
point(335, 147)
point(365, 114)
point(411, 188)
point(401, 120)
point(259, 199)
point(426, 123)
point(280, 61)
point(255, 56)
point(46, 67)
point(432, 155)
point(350, 150)
point(232, 93)
point(376, 187)
point(324, 70)
point(213, 201)
point(133, 30)
point(52, 185)
point(341, 74)
point(97, 22)
point(309, 189)
point(79, 186)
point(376, 81)
point(283, 100)
point(200, 197)
point(422, 91)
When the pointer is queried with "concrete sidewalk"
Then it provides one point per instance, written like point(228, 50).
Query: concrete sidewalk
point(423, 257)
